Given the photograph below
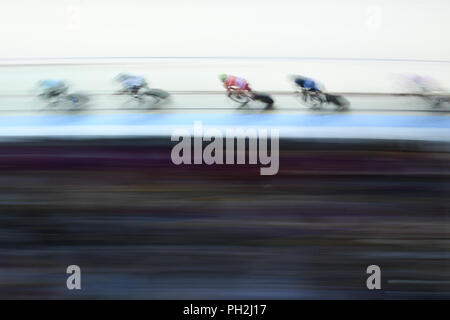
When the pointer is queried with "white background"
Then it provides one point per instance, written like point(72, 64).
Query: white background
point(362, 29)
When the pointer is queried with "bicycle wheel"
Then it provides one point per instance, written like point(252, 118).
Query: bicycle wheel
point(153, 96)
point(77, 99)
point(301, 97)
point(435, 101)
point(160, 94)
point(311, 100)
point(314, 101)
point(239, 97)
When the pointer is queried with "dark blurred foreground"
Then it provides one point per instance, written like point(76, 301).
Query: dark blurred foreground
point(141, 227)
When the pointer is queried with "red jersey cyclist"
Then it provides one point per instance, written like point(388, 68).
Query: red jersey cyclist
point(231, 82)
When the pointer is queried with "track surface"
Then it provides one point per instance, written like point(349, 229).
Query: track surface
point(15, 103)
point(107, 115)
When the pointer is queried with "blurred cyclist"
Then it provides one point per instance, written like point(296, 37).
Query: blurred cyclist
point(423, 84)
point(131, 84)
point(52, 88)
point(231, 82)
point(428, 88)
point(308, 84)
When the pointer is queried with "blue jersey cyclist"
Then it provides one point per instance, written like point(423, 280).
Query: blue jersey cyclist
point(131, 83)
point(52, 87)
point(308, 84)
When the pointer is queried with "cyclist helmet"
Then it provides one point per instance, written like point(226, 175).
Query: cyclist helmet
point(223, 77)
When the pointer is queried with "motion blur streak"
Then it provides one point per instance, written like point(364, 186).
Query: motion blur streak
point(140, 227)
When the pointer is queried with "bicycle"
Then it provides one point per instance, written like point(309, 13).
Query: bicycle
point(144, 94)
point(436, 101)
point(316, 100)
point(57, 99)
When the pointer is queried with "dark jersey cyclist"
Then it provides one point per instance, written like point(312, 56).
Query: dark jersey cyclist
point(308, 84)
